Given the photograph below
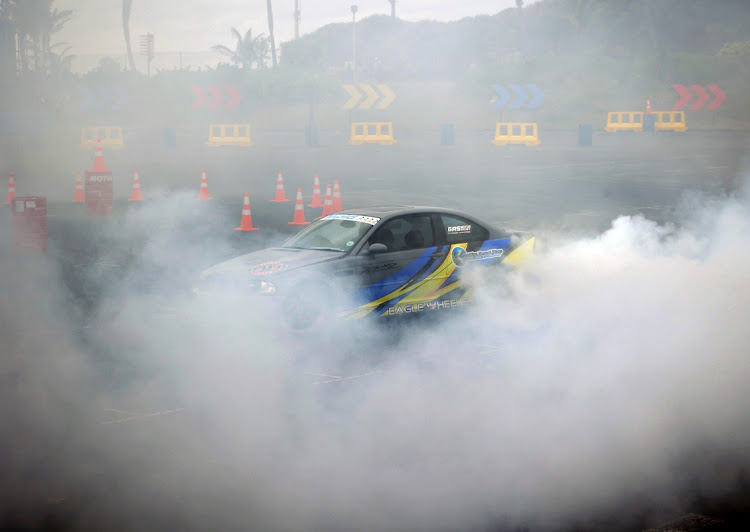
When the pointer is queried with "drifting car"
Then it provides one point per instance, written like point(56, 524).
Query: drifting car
point(379, 261)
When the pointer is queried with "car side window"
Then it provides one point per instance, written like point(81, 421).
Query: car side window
point(458, 230)
point(405, 233)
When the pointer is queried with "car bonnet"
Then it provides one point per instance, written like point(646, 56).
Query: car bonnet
point(269, 262)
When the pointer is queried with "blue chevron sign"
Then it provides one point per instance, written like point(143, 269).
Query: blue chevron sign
point(519, 98)
point(537, 96)
point(502, 98)
point(517, 102)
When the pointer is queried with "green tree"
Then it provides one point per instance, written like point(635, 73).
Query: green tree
point(736, 49)
point(108, 65)
point(25, 17)
point(34, 22)
point(579, 12)
point(248, 52)
point(60, 63)
point(738, 52)
point(524, 30)
point(51, 25)
point(7, 42)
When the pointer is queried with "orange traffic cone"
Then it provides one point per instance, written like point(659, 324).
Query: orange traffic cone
point(136, 195)
point(648, 107)
point(299, 211)
point(246, 222)
point(204, 195)
point(78, 197)
point(328, 203)
point(337, 197)
point(317, 200)
point(11, 189)
point(280, 195)
point(99, 165)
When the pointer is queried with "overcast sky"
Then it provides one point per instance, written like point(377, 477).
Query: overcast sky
point(196, 25)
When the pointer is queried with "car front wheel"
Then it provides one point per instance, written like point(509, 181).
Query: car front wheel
point(306, 307)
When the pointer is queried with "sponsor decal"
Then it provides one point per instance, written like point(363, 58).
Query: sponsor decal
point(460, 256)
point(353, 217)
point(267, 268)
point(99, 178)
point(456, 229)
point(434, 305)
point(379, 267)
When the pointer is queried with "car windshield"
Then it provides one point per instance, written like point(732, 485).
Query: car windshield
point(337, 232)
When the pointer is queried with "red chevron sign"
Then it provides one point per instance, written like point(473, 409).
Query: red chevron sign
point(702, 97)
point(214, 97)
point(720, 97)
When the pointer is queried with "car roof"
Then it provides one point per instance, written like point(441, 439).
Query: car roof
point(388, 211)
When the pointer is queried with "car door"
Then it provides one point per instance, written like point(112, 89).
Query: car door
point(469, 246)
point(398, 280)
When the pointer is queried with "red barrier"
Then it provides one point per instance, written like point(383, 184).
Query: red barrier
point(30, 224)
point(98, 192)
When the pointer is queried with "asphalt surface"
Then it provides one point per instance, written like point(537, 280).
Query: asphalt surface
point(557, 189)
point(557, 182)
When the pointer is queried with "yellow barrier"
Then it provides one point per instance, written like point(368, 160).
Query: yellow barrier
point(372, 133)
point(670, 121)
point(229, 135)
point(624, 121)
point(111, 137)
point(516, 133)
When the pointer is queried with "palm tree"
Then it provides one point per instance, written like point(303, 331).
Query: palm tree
point(249, 50)
point(58, 64)
point(34, 22)
point(50, 25)
point(126, 6)
point(269, 10)
point(25, 16)
point(7, 40)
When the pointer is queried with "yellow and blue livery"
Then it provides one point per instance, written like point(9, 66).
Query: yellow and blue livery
point(379, 261)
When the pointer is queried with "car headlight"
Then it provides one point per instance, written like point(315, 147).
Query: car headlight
point(267, 288)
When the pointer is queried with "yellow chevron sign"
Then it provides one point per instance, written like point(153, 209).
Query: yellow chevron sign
point(354, 96)
point(380, 96)
point(372, 96)
point(388, 96)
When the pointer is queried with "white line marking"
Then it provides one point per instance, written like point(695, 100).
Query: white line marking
point(132, 416)
point(337, 378)
point(490, 349)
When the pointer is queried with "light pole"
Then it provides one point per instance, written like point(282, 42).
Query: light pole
point(354, 44)
point(297, 16)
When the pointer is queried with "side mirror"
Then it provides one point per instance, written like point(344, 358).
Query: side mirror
point(376, 248)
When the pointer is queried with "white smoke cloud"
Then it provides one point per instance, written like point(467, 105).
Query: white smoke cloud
point(609, 374)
